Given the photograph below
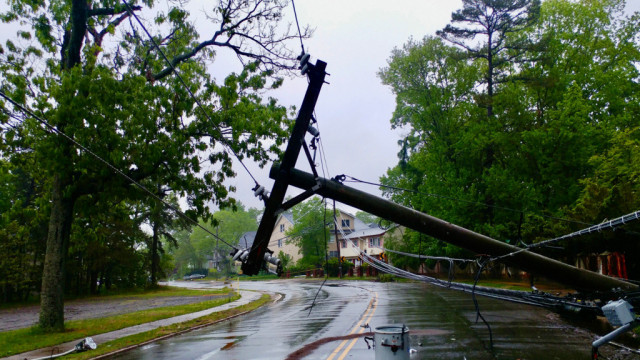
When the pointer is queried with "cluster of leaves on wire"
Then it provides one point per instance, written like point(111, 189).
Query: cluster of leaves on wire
point(90, 69)
point(518, 112)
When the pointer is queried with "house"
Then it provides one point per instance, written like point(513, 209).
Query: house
point(279, 239)
point(351, 230)
point(219, 259)
point(246, 240)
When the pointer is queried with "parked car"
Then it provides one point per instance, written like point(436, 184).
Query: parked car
point(194, 276)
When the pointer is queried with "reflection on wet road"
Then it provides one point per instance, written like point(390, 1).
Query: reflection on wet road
point(442, 325)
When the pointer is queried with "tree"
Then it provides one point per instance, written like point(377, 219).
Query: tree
point(366, 217)
point(494, 19)
point(563, 110)
point(22, 230)
point(309, 232)
point(185, 255)
point(164, 223)
point(229, 225)
point(107, 247)
point(122, 102)
point(285, 259)
point(434, 91)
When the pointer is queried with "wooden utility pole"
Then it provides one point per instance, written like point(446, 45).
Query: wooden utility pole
point(274, 201)
point(335, 235)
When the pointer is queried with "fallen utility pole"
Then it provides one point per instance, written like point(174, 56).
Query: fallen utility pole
point(578, 279)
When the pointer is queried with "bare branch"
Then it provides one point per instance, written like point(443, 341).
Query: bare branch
point(252, 30)
point(110, 11)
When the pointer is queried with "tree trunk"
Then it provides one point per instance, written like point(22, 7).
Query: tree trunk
point(490, 77)
point(154, 255)
point(52, 293)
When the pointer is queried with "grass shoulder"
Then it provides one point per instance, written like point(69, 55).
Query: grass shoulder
point(136, 340)
point(21, 340)
point(117, 294)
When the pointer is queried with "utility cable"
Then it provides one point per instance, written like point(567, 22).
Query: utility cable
point(326, 258)
point(612, 224)
point(110, 166)
point(419, 256)
point(197, 101)
point(482, 263)
point(295, 14)
point(521, 297)
point(323, 157)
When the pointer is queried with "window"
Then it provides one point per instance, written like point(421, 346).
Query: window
point(281, 227)
point(280, 242)
point(333, 254)
point(346, 223)
point(332, 238)
point(374, 242)
point(343, 244)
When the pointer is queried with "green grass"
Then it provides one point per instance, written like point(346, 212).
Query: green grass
point(18, 341)
point(128, 293)
point(131, 340)
point(156, 292)
point(255, 277)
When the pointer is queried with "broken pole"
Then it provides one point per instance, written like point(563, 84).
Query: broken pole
point(578, 279)
point(273, 207)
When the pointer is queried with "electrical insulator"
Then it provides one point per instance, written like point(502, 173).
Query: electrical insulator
point(260, 192)
point(313, 131)
point(271, 259)
point(304, 63)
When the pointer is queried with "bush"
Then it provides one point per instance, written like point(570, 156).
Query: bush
point(333, 267)
point(386, 278)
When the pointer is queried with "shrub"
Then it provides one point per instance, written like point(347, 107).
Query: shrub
point(386, 278)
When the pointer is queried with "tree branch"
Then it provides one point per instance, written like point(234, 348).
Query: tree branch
point(110, 11)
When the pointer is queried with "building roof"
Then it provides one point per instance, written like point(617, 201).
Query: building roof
point(366, 232)
point(289, 216)
point(246, 239)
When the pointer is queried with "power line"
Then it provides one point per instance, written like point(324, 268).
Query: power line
point(323, 155)
point(522, 297)
point(612, 224)
point(326, 259)
point(295, 14)
point(109, 165)
point(419, 256)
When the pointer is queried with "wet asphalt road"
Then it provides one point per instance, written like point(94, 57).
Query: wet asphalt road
point(442, 325)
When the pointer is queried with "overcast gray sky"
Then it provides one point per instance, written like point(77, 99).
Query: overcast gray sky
point(355, 39)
